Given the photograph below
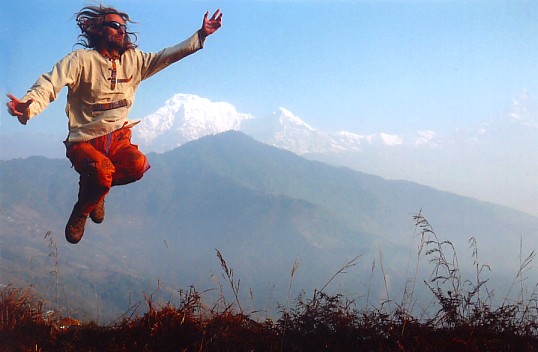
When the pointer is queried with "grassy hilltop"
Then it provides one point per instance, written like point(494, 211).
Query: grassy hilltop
point(460, 316)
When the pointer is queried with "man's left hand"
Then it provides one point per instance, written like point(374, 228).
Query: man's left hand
point(210, 25)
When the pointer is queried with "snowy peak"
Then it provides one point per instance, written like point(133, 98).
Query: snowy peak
point(286, 118)
point(184, 118)
point(290, 132)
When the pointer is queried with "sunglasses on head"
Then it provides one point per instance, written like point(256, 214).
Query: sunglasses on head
point(115, 25)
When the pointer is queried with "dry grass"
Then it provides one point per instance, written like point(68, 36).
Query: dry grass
point(21, 319)
point(463, 318)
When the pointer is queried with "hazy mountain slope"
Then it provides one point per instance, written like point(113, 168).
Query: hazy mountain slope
point(165, 227)
point(262, 207)
point(368, 203)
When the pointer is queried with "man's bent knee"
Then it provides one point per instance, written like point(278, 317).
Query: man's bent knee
point(139, 167)
point(133, 170)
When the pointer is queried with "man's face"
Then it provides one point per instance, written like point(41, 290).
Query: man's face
point(113, 32)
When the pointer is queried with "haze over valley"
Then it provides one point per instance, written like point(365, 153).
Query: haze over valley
point(263, 208)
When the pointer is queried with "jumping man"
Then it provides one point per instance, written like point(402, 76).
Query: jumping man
point(101, 82)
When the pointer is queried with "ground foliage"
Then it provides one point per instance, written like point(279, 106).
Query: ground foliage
point(464, 318)
point(321, 323)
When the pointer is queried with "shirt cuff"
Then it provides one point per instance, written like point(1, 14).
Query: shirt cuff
point(201, 38)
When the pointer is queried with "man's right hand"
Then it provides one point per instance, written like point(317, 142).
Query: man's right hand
point(19, 109)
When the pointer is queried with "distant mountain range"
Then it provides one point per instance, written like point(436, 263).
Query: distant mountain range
point(187, 117)
point(262, 207)
point(475, 161)
point(492, 161)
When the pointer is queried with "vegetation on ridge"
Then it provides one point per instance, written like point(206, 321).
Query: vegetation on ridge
point(461, 317)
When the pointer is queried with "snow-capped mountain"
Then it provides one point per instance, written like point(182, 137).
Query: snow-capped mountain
point(476, 160)
point(466, 161)
point(287, 131)
point(185, 117)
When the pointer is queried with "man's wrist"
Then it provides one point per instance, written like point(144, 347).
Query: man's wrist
point(23, 119)
point(201, 37)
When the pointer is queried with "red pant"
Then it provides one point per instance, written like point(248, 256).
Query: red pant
point(104, 162)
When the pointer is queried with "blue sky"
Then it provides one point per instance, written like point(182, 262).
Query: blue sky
point(362, 66)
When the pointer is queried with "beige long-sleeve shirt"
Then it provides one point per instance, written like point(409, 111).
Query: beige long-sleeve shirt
point(100, 90)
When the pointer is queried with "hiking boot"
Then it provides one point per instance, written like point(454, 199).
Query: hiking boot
point(75, 226)
point(98, 213)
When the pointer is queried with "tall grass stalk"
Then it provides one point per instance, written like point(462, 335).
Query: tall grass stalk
point(285, 313)
point(229, 275)
point(520, 278)
point(422, 230)
point(347, 265)
point(372, 270)
point(384, 274)
point(55, 272)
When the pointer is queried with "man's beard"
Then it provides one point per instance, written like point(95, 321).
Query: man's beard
point(121, 46)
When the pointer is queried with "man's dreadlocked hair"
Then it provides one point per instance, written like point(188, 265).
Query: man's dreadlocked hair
point(89, 20)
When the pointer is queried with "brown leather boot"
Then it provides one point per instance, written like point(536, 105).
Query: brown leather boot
point(98, 213)
point(75, 226)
